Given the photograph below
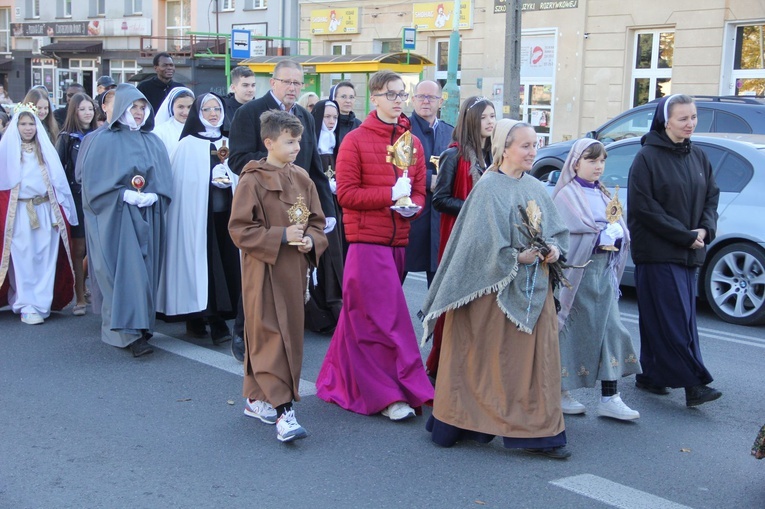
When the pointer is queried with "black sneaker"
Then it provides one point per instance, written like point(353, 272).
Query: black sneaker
point(237, 348)
point(140, 347)
point(653, 389)
point(700, 394)
point(196, 328)
point(556, 453)
point(219, 332)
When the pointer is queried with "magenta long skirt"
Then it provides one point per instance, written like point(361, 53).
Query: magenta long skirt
point(373, 359)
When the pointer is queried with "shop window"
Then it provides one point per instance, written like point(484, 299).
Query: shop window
point(442, 60)
point(5, 30)
point(749, 60)
point(652, 69)
point(122, 70)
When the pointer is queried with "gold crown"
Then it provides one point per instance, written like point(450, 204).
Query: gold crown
point(29, 107)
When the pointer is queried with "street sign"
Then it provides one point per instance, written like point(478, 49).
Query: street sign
point(240, 44)
point(409, 38)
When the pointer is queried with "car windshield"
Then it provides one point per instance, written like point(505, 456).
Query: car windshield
point(634, 125)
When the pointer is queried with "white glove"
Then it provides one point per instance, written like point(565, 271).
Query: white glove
point(402, 188)
point(333, 186)
point(131, 197)
point(219, 172)
point(615, 231)
point(147, 199)
point(407, 212)
point(329, 225)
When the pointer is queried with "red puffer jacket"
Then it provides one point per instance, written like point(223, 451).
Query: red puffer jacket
point(365, 179)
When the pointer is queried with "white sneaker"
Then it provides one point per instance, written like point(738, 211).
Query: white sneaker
point(616, 409)
point(288, 429)
point(32, 318)
point(569, 405)
point(260, 410)
point(398, 411)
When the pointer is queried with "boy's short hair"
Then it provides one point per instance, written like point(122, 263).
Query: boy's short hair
point(274, 122)
point(240, 72)
point(381, 78)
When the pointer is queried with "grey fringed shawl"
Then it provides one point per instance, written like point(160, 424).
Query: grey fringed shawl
point(482, 254)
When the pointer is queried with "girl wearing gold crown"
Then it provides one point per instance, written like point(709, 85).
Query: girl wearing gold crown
point(36, 207)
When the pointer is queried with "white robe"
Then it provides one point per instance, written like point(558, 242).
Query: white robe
point(170, 133)
point(34, 253)
point(183, 280)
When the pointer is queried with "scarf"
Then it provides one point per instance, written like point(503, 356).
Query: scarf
point(211, 131)
point(463, 184)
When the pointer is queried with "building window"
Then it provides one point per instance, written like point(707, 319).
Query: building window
point(33, 8)
point(226, 5)
point(388, 46)
point(652, 70)
point(122, 70)
point(97, 8)
point(67, 8)
point(749, 60)
point(178, 19)
point(442, 61)
point(254, 4)
point(340, 48)
point(133, 7)
point(5, 30)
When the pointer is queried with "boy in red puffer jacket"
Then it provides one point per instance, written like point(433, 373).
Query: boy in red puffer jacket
point(373, 363)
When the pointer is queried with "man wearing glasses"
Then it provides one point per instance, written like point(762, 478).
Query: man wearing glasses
point(246, 146)
point(435, 135)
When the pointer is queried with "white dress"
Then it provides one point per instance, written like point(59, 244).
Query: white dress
point(170, 134)
point(34, 252)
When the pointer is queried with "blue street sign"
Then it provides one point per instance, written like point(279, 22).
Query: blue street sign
point(409, 39)
point(240, 44)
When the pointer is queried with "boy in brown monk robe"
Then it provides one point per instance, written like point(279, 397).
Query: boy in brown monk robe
point(268, 197)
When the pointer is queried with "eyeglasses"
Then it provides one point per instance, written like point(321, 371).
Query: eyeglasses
point(430, 98)
point(479, 100)
point(290, 83)
point(346, 97)
point(214, 110)
point(391, 95)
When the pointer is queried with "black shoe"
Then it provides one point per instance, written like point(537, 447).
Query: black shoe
point(653, 389)
point(219, 332)
point(141, 347)
point(196, 328)
point(557, 453)
point(237, 348)
point(700, 394)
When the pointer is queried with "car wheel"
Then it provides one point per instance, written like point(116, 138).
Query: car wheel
point(734, 283)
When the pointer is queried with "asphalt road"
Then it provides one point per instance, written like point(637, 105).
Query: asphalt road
point(84, 425)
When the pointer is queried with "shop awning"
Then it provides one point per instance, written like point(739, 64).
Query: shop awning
point(324, 64)
point(92, 47)
point(6, 64)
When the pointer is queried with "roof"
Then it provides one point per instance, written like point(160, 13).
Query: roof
point(94, 47)
point(324, 64)
point(6, 64)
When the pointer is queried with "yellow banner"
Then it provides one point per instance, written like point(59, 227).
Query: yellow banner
point(438, 15)
point(335, 21)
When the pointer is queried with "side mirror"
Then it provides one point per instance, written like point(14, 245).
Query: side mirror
point(552, 177)
point(591, 134)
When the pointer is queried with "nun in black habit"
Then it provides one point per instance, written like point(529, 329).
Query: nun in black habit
point(326, 285)
point(126, 189)
point(201, 276)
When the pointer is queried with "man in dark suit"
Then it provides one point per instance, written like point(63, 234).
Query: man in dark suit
point(435, 135)
point(246, 145)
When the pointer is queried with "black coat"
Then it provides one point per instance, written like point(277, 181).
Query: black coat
point(422, 250)
point(155, 91)
point(246, 145)
point(230, 105)
point(345, 124)
point(671, 191)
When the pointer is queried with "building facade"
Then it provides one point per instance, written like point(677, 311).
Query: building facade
point(582, 61)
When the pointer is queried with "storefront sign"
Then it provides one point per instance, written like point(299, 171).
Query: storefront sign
point(335, 21)
point(94, 28)
point(537, 57)
point(500, 6)
point(432, 16)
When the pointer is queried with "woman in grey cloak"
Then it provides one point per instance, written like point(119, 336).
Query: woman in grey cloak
point(499, 368)
point(126, 186)
point(594, 344)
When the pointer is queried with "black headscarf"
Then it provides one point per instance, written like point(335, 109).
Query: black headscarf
point(661, 115)
point(194, 125)
point(318, 115)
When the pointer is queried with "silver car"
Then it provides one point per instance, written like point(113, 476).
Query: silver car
point(732, 278)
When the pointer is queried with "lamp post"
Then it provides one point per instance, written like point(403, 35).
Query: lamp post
point(452, 103)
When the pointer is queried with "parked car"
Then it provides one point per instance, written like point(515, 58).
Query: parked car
point(732, 278)
point(727, 114)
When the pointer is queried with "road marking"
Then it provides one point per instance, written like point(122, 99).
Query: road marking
point(730, 337)
point(614, 494)
point(212, 358)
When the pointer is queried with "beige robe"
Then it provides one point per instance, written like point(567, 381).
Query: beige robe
point(273, 276)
